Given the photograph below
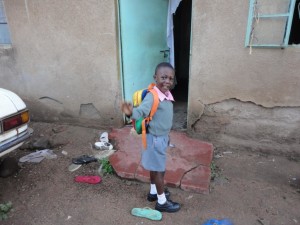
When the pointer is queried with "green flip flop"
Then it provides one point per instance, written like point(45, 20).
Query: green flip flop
point(147, 212)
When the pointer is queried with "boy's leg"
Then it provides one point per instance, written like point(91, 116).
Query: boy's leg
point(157, 178)
point(152, 195)
point(162, 204)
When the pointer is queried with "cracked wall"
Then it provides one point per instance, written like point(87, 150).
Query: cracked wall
point(222, 68)
point(233, 124)
point(63, 60)
point(48, 109)
point(238, 99)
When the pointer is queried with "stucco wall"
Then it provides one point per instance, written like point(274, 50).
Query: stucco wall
point(64, 60)
point(223, 69)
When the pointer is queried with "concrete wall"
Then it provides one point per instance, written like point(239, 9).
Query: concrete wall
point(64, 60)
point(225, 77)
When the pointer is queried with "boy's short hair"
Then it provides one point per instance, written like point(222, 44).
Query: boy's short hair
point(163, 64)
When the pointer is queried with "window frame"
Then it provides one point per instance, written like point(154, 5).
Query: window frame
point(252, 18)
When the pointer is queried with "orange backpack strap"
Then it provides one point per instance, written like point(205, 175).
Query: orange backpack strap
point(155, 103)
point(151, 86)
point(144, 136)
point(152, 112)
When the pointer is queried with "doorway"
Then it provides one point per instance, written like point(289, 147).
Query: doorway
point(143, 42)
point(182, 37)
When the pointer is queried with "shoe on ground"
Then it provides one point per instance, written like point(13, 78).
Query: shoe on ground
point(153, 197)
point(104, 137)
point(84, 159)
point(103, 145)
point(169, 206)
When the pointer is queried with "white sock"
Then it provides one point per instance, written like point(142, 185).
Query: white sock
point(153, 190)
point(161, 199)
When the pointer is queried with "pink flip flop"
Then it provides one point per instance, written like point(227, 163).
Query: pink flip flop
point(88, 179)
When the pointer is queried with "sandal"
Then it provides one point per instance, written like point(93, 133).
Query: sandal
point(88, 179)
point(74, 167)
point(84, 159)
point(102, 145)
point(104, 137)
point(147, 212)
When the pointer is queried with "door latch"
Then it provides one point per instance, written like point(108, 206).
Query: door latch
point(166, 52)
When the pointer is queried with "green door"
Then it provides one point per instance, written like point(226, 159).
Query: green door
point(143, 26)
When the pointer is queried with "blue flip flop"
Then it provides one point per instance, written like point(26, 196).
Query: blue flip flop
point(147, 212)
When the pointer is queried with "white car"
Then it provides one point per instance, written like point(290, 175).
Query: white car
point(14, 119)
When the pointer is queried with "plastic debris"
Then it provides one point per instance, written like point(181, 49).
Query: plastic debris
point(64, 152)
point(218, 222)
point(38, 156)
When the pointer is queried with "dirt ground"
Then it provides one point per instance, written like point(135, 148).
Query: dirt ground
point(250, 189)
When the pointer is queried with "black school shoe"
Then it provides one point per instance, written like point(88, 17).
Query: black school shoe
point(169, 206)
point(153, 197)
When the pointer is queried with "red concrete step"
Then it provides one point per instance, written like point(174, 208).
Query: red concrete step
point(188, 163)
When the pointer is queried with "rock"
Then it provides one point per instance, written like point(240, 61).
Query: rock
point(58, 129)
point(57, 141)
point(8, 167)
point(295, 182)
point(41, 143)
point(64, 152)
point(26, 145)
point(30, 130)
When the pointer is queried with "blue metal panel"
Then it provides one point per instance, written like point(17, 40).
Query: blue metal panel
point(2, 14)
point(4, 34)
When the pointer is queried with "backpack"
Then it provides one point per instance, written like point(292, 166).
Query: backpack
point(141, 124)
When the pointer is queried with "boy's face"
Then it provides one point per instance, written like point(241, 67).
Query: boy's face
point(164, 78)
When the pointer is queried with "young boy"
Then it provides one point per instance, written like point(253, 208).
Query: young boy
point(154, 157)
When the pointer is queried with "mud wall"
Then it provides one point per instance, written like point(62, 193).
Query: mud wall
point(241, 97)
point(63, 60)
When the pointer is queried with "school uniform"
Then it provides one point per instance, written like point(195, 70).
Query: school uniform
point(154, 157)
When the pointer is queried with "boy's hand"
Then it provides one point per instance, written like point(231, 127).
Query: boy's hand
point(126, 108)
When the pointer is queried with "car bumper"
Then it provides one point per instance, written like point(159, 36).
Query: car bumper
point(14, 143)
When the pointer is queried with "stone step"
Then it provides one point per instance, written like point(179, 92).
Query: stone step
point(188, 162)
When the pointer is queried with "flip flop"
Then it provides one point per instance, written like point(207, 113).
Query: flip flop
point(88, 179)
point(104, 154)
point(84, 159)
point(104, 137)
point(147, 212)
point(102, 145)
point(74, 167)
